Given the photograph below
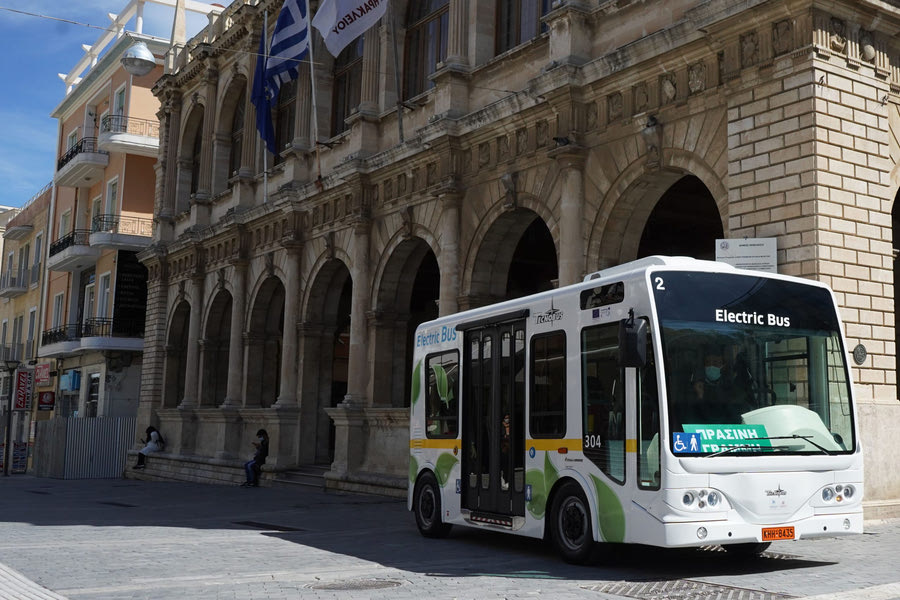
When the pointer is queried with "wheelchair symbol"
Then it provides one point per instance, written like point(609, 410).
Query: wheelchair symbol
point(680, 445)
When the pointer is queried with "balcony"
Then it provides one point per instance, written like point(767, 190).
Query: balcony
point(72, 252)
point(130, 135)
point(82, 165)
point(14, 352)
point(14, 283)
point(17, 232)
point(121, 233)
point(94, 335)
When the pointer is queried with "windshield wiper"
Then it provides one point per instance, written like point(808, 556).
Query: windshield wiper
point(806, 438)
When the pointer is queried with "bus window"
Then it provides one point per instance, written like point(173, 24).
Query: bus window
point(548, 386)
point(442, 371)
point(603, 395)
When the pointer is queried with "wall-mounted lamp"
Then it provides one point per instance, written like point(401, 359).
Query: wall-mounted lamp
point(138, 60)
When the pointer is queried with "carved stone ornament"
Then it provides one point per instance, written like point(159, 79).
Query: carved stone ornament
point(782, 37)
point(866, 46)
point(541, 133)
point(592, 116)
point(615, 106)
point(502, 147)
point(484, 154)
point(749, 49)
point(521, 141)
point(667, 86)
point(838, 40)
point(697, 78)
point(641, 98)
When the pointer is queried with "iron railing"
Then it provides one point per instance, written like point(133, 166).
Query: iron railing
point(15, 279)
point(122, 225)
point(78, 237)
point(93, 327)
point(129, 125)
point(88, 144)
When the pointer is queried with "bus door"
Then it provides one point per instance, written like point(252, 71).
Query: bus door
point(493, 462)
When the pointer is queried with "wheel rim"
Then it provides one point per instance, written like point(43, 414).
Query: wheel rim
point(573, 520)
point(427, 505)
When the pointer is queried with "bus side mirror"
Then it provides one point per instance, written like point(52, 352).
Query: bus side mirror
point(632, 342)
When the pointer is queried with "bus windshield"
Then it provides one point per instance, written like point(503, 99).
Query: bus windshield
point(752, 365)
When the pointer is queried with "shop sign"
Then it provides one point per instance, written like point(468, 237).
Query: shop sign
point(42, 374)
point(24, 382)
point(46, 400)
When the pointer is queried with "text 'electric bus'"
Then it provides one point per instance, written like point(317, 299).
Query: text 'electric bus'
point(668, 401)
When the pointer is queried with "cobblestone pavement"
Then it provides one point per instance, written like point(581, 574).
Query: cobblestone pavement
point(118, 539)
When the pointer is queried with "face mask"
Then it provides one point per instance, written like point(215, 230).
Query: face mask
point(713, 373)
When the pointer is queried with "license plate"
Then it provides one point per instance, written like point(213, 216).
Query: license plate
point(770, 534)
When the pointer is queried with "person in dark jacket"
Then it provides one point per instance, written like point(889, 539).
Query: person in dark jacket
point(253, 467)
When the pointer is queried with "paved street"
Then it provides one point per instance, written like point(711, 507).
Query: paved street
point(105, 539)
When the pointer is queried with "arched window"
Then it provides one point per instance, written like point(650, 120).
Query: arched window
point(426, 43)
point(196, 150)
point(519, 21)
point(283, 120)
point(347, 81)
point(237, 136)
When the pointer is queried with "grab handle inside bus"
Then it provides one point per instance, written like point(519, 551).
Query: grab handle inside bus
point(632, 341)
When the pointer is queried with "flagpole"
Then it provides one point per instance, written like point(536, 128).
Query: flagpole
point(315, 112)
point(396, 70)
point(265, 149)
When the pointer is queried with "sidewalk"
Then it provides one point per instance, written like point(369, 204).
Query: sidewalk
point(121, 539)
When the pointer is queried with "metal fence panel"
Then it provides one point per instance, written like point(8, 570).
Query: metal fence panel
point(83, 448)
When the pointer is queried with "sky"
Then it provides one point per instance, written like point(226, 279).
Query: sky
point(33, 51)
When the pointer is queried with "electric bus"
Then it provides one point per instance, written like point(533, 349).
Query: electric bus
point(669, 401)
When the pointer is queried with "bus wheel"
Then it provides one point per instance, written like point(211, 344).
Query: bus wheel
point(748, 549)
point(427, 507)
point(570, 524)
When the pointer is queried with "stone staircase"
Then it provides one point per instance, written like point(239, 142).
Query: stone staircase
point(305, 475)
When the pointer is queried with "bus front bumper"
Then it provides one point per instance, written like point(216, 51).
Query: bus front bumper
point(709, 533)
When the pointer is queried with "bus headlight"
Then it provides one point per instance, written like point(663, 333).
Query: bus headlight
point(849, 490)
point(713, 499)
point(828, 494)
point(688, 498)
point(698, 500)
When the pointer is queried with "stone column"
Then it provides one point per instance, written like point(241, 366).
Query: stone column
point(450, 203)
point(571, 209)
point(357, 364)
point(192, 370)
point(236, 342)
point(303, 106)
point(173, 123)
point(287, 395)
point(458, 33)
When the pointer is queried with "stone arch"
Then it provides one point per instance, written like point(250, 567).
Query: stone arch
point(325, 351)
point(616, 232)
point(487, 269)
point(231, 116)
point(188, 161)
point(216, 345)
point(265, 328)
point(407, 290)
point(176, 354)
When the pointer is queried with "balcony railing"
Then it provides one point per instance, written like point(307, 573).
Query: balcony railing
point(78, 237)
point(122, 225)
point(94, 327)
point(13, 352)
point(15, 279)
point(70, 332)
point(88, 144)
point(129, 125)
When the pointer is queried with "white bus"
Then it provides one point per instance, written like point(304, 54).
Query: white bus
point(669, 401)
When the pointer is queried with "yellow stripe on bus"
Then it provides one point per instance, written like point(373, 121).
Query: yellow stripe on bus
point(436, 444)
point(631, 445)
point(571, 445)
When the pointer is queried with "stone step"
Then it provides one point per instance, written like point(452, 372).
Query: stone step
point(307, 475)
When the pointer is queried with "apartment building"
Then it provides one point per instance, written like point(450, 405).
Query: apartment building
point(21, 302)
point(100, 218)
point(525, 145)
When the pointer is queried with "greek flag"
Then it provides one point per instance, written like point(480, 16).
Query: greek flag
point(290, 43)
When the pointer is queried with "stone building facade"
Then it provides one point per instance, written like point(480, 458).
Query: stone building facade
point(511, 152)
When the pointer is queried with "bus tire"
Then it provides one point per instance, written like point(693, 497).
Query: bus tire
point(570, 524)
point(747, 550)
point(427, 507)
